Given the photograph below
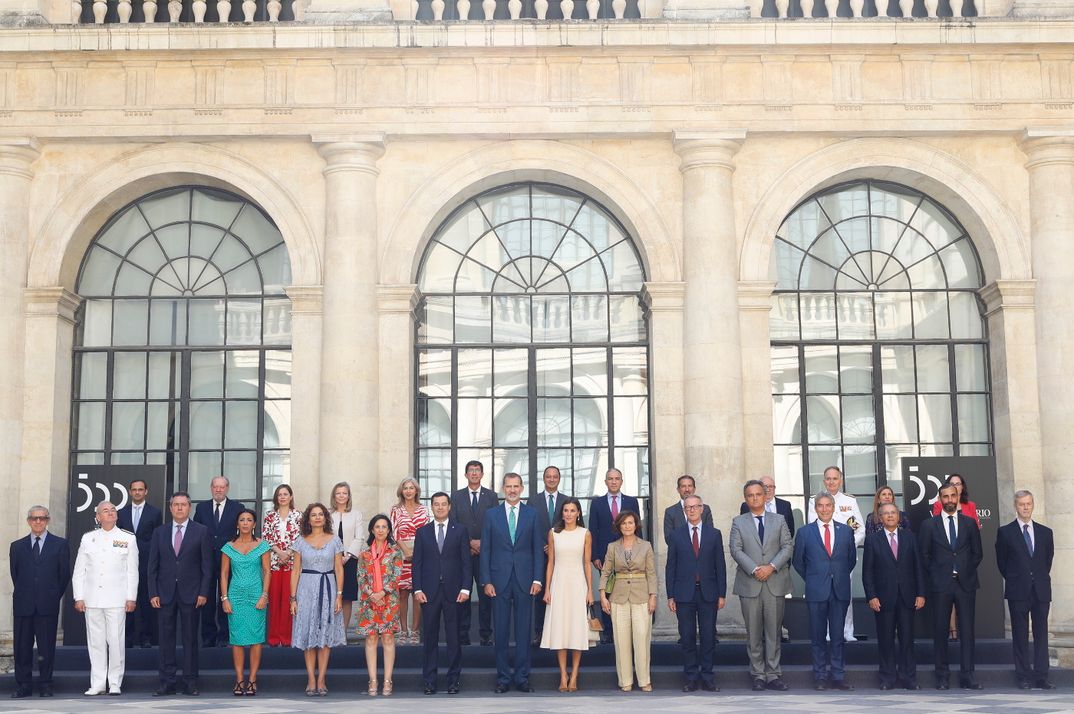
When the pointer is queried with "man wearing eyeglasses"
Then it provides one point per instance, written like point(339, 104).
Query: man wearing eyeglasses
point(40, 571)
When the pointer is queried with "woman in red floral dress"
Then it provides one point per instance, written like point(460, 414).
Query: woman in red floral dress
point(379, 568)
point(281, 529)
point(407, 516)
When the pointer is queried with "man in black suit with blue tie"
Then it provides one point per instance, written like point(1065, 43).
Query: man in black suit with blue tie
point(470, 504)
point(180, 575)
point(894, 582)
point(548, 505)
point(40, 571)
point(141, 518)
point(603, 510)
point(218, 515)
point(1024, 552)
point(951, 552)
point(442, 579)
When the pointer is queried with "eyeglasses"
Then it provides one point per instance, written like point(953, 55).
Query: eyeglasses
point(696, 505)
point(37, 518)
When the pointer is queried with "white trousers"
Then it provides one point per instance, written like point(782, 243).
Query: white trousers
point(105, 630)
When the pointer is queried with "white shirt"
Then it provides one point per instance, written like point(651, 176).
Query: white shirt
point(1032, 535)
point(693, 528)
point(136, 514)
point(185, 525)
point(846, 507)
point(948, 519)
point(756, 523)
point(831, 529)
point(890, 534)
point(618, 501)
point(770, 506)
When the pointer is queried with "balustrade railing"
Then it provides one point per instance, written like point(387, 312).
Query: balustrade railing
point(863, 9)
point(103, 12)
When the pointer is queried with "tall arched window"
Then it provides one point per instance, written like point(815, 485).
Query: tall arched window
point(532, 343)
point(183, 347)
point(879, 342)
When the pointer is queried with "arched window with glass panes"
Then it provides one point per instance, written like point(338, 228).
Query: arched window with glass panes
point(532, 345)
point(183, 343)
point(879, 341)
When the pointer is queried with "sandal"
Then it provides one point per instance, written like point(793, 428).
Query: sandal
point(387, 691)
point(372, 691)
point(251, 688)
point(322, 691)
point(953, 635)
point(311, 691)
point(240, 688)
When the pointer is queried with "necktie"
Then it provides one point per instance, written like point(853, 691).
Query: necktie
point(615, 507)
point(827, 540)
point(551, 508)
point(440, 537)
point(218, 514)
point(696, 541)
point(894, 545)
point(951, 532)
point(473, 500)
point(136, 516)
point(511, 523)
point(760, 528)
point(37, 546)
point(1029, 541)
point(177, 541)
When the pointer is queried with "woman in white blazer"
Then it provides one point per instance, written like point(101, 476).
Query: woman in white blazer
point(349, 526)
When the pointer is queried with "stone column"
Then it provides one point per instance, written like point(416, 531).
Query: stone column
point(1011, 312)
point(1051, 206)
point(395, 306)
point(306, 310)
point(712, 359)
point(349, 424)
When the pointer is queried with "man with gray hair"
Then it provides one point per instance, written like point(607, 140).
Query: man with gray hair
point(218, 514)
point(848, 512)
point(105, 588)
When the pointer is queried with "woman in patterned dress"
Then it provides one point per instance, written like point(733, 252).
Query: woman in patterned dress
point(380, 567)
point(244, 580)
point(281, 530)
point(407, 516)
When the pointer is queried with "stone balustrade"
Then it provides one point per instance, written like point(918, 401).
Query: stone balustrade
point(540, 10)
point(874, 9)
point(102, 12)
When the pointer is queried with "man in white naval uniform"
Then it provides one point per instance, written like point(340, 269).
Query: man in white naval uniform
point(105, 587)
point(846, 511)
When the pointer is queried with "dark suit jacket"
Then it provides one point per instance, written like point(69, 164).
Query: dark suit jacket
point(683, 567)
point(205, 515)
point(462, 511)
point(151, 518)
point(824, 574)
point(893, 582)
point(1022, 573)
point(184, 577)
point(451, 569)
point(39, 583)
point(539, 503)
point(940, 560)
point(783, 508)
point(674, 519)
point(600, 521)
point(501, 560)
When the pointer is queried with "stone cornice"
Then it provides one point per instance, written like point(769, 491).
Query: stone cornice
point(341, 152)
point(699, 149)
point(51, 302)
point(755, 295)
point(1009, 295)
point(397, 298)
point(663, 296)
point(17, 156)
point(305, 299)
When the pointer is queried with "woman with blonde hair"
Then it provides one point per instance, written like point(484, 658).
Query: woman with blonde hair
point(348, 525)
point(406, 517)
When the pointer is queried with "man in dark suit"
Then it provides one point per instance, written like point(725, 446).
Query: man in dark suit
point(180, 575)
point(1024, 552)
point(442, 578)
point(951, 552)
point(218, 515)
point(40, 572)
point(470, 505)
point(894, 582)
point(141, 518)
point(824, 555)
point(774, 504)
point(603, 510)
point(696, 578)
point(675, 514)
point(548, 505)
point(512, 554)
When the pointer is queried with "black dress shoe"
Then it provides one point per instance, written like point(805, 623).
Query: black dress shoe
point(1025, 684)
point(525, 687)
point(453, 689)
point(942, 684)
point(885, 687)
point(502, 689)
point(464, 641)
point(46, 691)
point(842, 685)
point(1044, 684)
point(21, 693)
point(777, 685)
point(430, 690)
point(164, 691)
point(689, 687)
point(709, 686)
point(758, 685)
point(912, 686)
point(486, 642)
point(970, 684)
point(191, 691)
point(820, 685)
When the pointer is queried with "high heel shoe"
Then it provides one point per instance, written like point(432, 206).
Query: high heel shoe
point(563, 685)
point(387, 688)
point(572, 686)
point(372, 690)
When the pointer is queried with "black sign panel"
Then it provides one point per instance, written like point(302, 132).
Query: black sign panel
point(922, 478)
point(89, 486)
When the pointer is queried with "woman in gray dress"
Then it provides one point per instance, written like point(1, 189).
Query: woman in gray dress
point(317, 596)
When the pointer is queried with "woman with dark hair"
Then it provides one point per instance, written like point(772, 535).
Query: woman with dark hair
point(569, 591)
point(244, 583)
point(317, 596)
point(379, 568)
point(280, 530)
point(628, 594)
point(969, 508)
point(883, 496)
point(347, 524)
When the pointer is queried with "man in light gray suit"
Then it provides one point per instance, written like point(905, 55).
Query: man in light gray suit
point(760, 543)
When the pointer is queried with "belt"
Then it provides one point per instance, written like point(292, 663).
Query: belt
point(325, 586)
point(629, 576)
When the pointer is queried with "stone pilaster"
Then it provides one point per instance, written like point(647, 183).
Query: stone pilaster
point(754, 308)
point(395, 310)
point(306, 323)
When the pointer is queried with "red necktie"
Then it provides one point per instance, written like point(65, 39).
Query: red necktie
point(697, 542)
point(615, 507)
point(827, 540)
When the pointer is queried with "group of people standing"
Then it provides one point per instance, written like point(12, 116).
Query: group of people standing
point(413, 570)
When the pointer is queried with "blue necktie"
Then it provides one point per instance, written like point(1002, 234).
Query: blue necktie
point(951, 532)
point(1029, 541)
point(760, 528)
point(511, 524)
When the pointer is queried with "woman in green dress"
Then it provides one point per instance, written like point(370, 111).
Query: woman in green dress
point(244, 583)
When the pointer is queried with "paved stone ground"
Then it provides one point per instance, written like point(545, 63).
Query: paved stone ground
point(1005, 701)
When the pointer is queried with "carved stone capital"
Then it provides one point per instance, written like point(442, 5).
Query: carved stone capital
point(663, 296)
point(51, 302)
point(1045, 147)
point(755, 295)
point(708, 149)
point(17, 156)
point(397, 298)
point(1009, 295)
point(350, 152)
point(306, 299)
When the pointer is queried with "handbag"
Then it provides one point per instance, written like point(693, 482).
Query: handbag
point(610, 585)
point(595, 625)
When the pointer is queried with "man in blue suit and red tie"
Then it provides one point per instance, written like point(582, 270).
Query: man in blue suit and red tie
point(512, 555)
point(824, 555)
point(696, 578)
point(442, 577)
point(602, 513)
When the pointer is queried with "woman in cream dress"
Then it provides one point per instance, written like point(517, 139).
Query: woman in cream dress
point(569, 592)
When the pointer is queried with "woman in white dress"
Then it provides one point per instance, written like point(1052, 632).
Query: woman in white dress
point(569, 592)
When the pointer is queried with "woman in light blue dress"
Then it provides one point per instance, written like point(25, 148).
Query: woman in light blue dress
point(317, 596)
